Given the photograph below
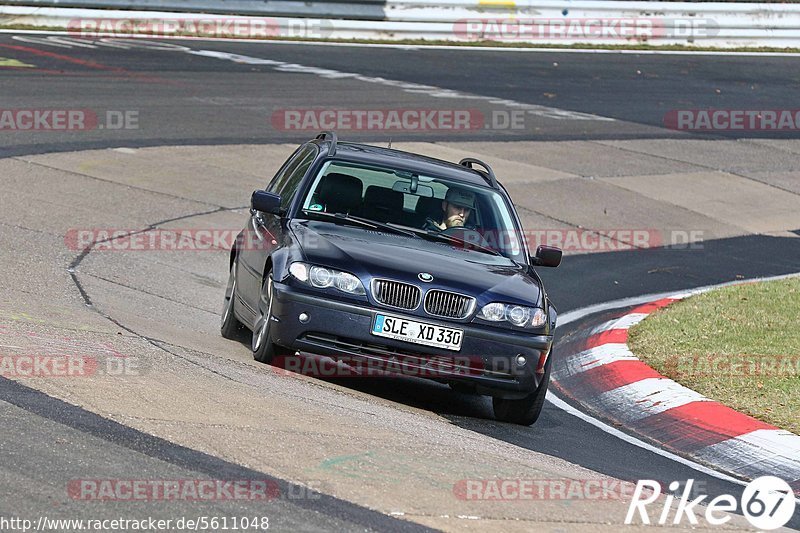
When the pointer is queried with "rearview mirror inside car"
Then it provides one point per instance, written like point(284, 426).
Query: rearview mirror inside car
point(266, 202)
point(425, 191)
point(548, 256)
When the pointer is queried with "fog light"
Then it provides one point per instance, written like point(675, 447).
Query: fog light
point(303, 318)
point(521, 360)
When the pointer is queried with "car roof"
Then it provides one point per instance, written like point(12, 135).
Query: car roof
point(429, 166)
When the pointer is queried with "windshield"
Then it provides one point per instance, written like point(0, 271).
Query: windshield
point(439, 206)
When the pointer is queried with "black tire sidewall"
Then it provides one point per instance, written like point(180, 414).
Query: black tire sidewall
point(231, 326)
point(266, 352)
point(525, 411)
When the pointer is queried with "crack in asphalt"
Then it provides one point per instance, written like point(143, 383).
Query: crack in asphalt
point(136, 289)
point(24, 228)
point(157, 343)
point(73, 266)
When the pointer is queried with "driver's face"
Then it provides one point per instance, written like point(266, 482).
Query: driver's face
point(455, 215)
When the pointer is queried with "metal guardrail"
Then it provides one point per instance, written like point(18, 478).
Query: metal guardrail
point(546, 22)
point(720, 24)
point(345, 9)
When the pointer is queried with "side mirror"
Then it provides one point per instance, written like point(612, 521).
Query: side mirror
point(266, 202)
point(548, 256)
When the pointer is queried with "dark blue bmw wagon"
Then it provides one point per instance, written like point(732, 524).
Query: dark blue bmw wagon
point(410, 264)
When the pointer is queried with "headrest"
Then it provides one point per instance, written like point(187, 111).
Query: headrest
point(339, 192)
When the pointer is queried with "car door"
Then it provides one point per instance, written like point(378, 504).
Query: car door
point(263, 232)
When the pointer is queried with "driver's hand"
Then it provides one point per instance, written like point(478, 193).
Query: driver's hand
point(455, 221)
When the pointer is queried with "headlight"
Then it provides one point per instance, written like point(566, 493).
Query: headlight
point(323, 278)
point(494, 312)
point(520, 316)
point(299, 271)
point(348, 282)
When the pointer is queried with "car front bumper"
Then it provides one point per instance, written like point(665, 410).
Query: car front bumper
point(486, 362)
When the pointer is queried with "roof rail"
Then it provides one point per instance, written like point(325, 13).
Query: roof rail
point(329, 136)
point(488, 174)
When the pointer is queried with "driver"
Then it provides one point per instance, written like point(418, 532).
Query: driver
point(456, 209)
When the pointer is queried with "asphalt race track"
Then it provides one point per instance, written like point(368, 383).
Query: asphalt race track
point(189, 99)
point(201, 128)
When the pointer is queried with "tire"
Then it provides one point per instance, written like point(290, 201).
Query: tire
point(524, 411)
point(264, 350)
point(461, 388)
point(229, 324)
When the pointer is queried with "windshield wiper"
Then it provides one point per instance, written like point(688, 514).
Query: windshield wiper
point(450, 239)
point(364, 222)
point(343, 217)
point(387, 226)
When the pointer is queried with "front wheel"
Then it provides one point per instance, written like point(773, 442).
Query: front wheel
point(524, 411)
point(263, 348)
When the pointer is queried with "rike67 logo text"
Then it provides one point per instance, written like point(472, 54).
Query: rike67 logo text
point(767, 503)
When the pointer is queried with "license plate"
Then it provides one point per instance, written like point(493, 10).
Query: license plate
point(402, 329)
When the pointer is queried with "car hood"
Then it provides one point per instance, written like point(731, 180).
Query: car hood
point(373, 253)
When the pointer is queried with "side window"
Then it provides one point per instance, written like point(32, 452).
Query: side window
point(295, 174)
point(280, 178)
point(288, 178)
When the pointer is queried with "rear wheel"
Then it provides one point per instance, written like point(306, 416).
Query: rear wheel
point(524, 411)
point(263, 348)
point(230, 325)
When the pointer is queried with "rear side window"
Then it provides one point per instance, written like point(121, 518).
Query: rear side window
point(288, 179)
